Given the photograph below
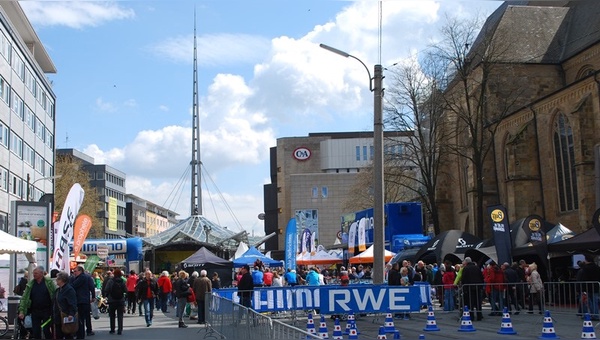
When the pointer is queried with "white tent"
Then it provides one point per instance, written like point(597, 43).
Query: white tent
point(13, 245)
point(241, 250)
point(367, 256)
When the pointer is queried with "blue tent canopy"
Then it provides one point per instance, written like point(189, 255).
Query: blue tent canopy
point(251, 255)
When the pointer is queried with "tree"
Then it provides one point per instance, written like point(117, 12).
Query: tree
point(482, 90)
point(414, 103)
point(71, 171)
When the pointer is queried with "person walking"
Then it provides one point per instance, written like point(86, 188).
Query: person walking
point(165, 288)
point(472, 281)
point(202, 285)
point(131, 282)
point(37, 301)
point(146, 291)
point(115, 291)
point(182, 289)
point(245, 287)
point(65, 304)
point(85, 289)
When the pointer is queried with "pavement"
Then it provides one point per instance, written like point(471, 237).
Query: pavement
point(527, 326)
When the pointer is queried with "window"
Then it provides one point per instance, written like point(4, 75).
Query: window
point(324, 192)
point(315, 192)
point(100, 175)
point(49, 139)
point(29, 118)
point(358, 153)
point(16, 185)
point(16, 144)
point(50, 109)
point(17, 105)
point(49, 169)
point(30, 82)
point(39, 129)
point(564, 155)
point(39, 164)
point(19, 66)
point(29, 155)
point(3, 135)
point(4, 91)
point(5, 47)
point(364, 153)
point(3, 179)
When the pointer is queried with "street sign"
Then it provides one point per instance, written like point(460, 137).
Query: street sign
point(102, 251)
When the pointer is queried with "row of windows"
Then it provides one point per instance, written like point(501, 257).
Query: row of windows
point(11, 183)
point(10, 140)
point(111, 193)
point(115, 179)
point(26, 75)
point(388, 150)
point(324, 192)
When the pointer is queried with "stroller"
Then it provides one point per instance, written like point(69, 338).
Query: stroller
point(102, 304)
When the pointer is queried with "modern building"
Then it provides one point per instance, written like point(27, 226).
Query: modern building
point(546, 152)
point(110, 187)
point(145, 219)
point(27, 112)
point(311, 178)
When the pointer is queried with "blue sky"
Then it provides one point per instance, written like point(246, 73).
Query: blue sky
point(124, 83)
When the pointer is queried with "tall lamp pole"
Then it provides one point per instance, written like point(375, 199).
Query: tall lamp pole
point(376, 86)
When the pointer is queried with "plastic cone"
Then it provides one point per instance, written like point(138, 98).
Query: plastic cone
point(421, 336)
point(381, 334)
point(548, 331)
point(323, 328)
point(310, 324)
point(431, 323)
point(349, 323)
point(353, 332)
point(506, 325)
point(588, 328)
point(389, 323)
point(466, 325)
point(337, 330)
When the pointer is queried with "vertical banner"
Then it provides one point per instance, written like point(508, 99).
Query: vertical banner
point(352, 237)
point(291, 244)
point(362, 234)
point(83, 224)
point(501, 232)
point(112, 214)
point(60, 256)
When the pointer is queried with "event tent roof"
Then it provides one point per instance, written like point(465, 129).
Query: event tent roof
point(367, 256)
point(588, 241)
point(14, 245)
point(252, 255)
point(449, 242)
point(204, 256)
point(319, 257)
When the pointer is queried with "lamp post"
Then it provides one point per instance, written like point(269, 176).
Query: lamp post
point(376, 86)
point(37, 180)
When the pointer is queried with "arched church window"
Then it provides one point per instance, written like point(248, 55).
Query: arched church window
point(564, 155)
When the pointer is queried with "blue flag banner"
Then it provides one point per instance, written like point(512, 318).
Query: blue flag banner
point(501, 232)
point(291, 244)
point(334, 299)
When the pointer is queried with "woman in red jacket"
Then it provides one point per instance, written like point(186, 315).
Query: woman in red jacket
point(132, 280)
point(448, 277)
point(164, 290)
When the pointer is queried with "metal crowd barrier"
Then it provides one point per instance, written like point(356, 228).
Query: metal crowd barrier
point(229, 320)
point(558, 297)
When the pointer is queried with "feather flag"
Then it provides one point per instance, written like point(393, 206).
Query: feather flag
point(83, 224)
point(60, 256)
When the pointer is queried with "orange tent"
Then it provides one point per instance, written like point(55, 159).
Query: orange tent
point(367, 256)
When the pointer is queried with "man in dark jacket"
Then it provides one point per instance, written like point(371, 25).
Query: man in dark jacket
point(472, 281)
point(590, 272)
point(246, 287)
point(86, 294)
point(512, 279)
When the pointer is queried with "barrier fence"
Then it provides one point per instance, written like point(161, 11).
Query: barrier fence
point(229, 320)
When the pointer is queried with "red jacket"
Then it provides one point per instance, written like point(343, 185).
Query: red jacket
point(448, 279)
point(495, 279)
point(164, 284)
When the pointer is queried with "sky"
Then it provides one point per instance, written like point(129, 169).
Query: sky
point(124, 84)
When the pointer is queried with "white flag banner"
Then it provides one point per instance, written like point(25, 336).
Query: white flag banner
point(352, 237)
point(362, 234)
point(64, 234)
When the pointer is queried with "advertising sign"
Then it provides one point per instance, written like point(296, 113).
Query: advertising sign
point(32, 223)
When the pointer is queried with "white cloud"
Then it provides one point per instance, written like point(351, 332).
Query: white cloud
point(74, 14)
point(130, 103)
point(214, 49)
point(163, 108)
point(105, 106)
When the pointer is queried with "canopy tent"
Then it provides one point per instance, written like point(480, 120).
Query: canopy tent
point(448, 243)
point(559, 233)
point(241, 249)
point(367, 256)
point(319, 257)
point(14, 245)
point(405, 254)
point(251, 255)
point(588, 241)
point(205, 259)
point(480, 255)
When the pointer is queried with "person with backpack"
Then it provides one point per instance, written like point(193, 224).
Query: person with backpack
point(115, 291)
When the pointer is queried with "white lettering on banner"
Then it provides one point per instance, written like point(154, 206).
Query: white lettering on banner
point(369, 298)
point(498, 227)
point(340, 298)
point(310, 300)
point(397, 298)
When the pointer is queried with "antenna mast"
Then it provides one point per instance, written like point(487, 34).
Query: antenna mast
point(196, 206)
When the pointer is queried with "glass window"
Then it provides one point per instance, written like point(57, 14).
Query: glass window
point(100, 175)
point(564, 155)
point(49, 139)
point(324, 192)
point(29, 118)
point(17, 105)
point(4, 91)
point(5, 47)
point(39, 129)
point(16, 144)
point(3, 179)
point(358, 153)
point(315, 192)
point(30, 82)
point(29, 155)
point(364, 153)
point(39, 165)
point(19, 66)
point(3, 135)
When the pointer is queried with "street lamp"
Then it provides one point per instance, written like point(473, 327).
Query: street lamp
point(376, 86)
point(37, 180)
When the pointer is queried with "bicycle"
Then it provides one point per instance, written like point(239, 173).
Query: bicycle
point(3, 326)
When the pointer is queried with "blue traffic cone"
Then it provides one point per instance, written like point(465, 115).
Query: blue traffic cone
point(381, 334)
point(337, 330)
point(506, 325)
point(389, 323)
point(349, 323)
point(548, 331)
point(466, 325)
point(431, 323)
point(588, 328)
point(353, 332)
point(323, 328)
point(310, 324)
point(421, 336)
